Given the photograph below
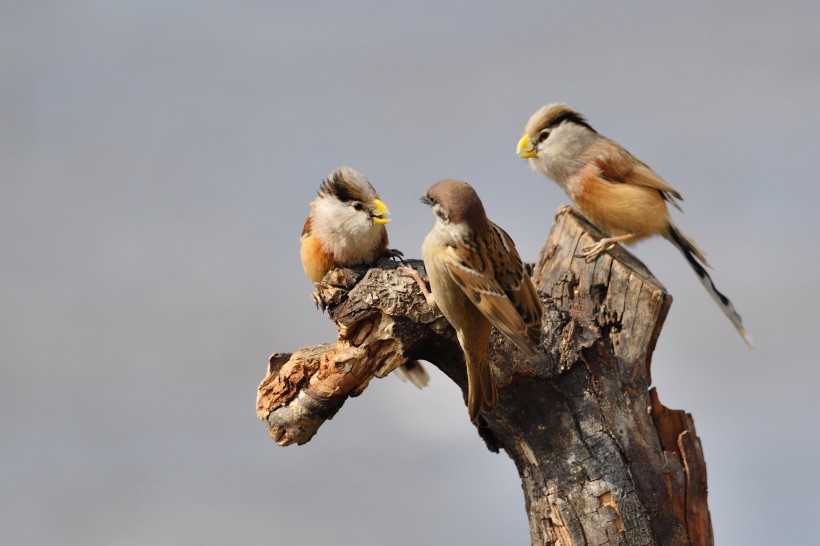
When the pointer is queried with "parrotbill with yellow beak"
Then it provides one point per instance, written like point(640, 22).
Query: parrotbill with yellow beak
point(346, 227)
point(612, 188)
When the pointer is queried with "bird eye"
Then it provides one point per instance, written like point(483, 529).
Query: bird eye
point(542, 136)
point(358, 206)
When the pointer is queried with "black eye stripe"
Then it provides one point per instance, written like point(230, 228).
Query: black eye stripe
point(572, 117)
point(343, 189)
point(342, 194)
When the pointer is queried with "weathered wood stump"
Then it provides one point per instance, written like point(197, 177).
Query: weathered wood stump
point(601, 460)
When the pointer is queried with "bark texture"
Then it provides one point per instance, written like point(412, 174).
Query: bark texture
point(601, 460)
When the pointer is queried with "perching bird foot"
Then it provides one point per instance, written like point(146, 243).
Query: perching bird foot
point(394, 254)
point(589, 253)
point(334, 286)
point(412, 273)
point(317, 298)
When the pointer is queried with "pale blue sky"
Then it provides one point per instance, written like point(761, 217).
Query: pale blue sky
point(156, 161)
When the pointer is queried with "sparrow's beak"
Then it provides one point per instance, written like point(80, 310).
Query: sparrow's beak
point(380, 212)
point(525, 149)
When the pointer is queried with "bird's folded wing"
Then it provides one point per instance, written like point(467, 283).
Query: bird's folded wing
point(617, 165)
point(499, 287)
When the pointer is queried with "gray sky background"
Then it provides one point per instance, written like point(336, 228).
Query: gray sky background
point(156, 161)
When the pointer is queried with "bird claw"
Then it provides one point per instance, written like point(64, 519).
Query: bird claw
point(395, 254)
point(317, 298)
point(412, 273)
point(405, 269)
point(589, 253)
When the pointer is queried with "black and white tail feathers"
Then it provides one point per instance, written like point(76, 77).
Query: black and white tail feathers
point(697, 260)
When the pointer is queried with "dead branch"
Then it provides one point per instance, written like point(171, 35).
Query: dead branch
point(602, 461)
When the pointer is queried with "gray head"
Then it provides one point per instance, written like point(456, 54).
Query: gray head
point(543, 122)
point(555, 140)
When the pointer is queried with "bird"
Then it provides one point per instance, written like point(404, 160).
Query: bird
point(346, 227)
point(477, 281)
point(613, 189)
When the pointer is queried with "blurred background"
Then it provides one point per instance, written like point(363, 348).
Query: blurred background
point(157, 160)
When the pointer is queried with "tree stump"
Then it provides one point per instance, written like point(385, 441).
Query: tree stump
point(601, 460)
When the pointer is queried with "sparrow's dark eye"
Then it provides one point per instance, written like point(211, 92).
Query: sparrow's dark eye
point(542, 136)
point(358, 206)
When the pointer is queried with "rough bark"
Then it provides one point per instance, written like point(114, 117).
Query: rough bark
point(601, 460)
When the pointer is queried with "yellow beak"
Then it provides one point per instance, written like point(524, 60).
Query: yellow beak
point(524, 148)
point(380, 211)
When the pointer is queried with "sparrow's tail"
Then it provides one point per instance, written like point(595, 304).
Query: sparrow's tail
point(414, 372)
point(697, 260)
point(482, 395)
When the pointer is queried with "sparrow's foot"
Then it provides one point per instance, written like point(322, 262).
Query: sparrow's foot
point(410, 272)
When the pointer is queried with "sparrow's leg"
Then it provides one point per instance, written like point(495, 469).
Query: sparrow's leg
point(428, 296)
point(591, 252)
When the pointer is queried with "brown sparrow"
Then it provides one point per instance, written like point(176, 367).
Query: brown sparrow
point(346, 227)
point(477, 281)
point(612, 188)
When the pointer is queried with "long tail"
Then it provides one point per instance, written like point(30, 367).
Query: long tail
point(414, 372)
point(697, 260)
point(482, 395)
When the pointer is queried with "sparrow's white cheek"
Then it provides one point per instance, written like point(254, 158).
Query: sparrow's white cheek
point(458, 232)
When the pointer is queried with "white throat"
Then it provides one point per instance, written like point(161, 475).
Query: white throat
point(348, 234)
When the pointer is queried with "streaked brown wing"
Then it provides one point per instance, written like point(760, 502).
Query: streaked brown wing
point(472, 269)
point(517, 284)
